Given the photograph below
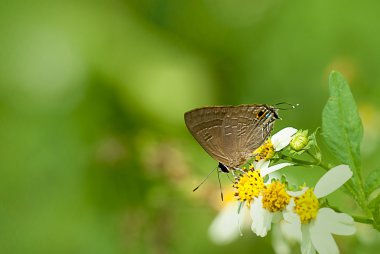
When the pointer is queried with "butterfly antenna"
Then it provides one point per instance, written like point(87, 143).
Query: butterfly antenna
point(204, 180)
point(286, 103)
point(220, 185)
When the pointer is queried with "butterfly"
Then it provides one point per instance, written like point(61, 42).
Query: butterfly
point(230, 134)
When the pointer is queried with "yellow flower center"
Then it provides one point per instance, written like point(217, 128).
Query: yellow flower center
point(307, 206)
point(248, 186)
point(265, 151)
point(275, 197)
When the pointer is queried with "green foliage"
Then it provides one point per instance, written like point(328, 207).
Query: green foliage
point(343, 132)
point(372, 181)
point(374, 206)
point(341, 123)
point(95, 157)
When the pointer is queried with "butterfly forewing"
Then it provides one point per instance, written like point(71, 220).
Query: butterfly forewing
point(230, 134)
point(205, 124)
point(243, 133)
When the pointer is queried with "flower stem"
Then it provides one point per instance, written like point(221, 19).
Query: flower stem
point(361, 192)
point(297, 161)
point(363, 220)
point(318, 162)
point(302, 162)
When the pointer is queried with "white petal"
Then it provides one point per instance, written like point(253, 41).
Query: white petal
point(282, 138)
point(274, 168)
point(291, 225)
point(297, 193)
point(292, 218)
point(332, 180)
point(290, 208)
point(225, 227)
point(306, 244)
point(336, 223)
point(261, 164)
point(291, 231)
point(261, 218)
point(322, 240)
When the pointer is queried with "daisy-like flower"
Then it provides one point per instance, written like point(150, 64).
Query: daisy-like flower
point(274, 144)
point(318, 224)
point(264, 200)
point(225, 228)
point(268, 207)
point(229, 222)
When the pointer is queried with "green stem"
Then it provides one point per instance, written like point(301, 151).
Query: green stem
point(318, 162)
point(297, 161)
point(301, 162)
point(362, 199)
point(363, 220)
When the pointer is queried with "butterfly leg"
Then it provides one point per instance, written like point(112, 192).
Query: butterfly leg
point(229, 177)
point(240, 170)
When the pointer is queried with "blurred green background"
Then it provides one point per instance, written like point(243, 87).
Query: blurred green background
point(94, 153)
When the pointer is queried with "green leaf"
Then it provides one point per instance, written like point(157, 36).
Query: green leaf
point(372, 181)
point(341, 123)
point(374, 203)
point(374, 207)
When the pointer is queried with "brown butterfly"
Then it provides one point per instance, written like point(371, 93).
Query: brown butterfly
point(230, 134)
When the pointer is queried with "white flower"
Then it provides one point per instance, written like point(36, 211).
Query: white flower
point(317, 224)
point(262, 217)
point(225, 228)
point(276, 143)
point(282, 138)
point(264, 168)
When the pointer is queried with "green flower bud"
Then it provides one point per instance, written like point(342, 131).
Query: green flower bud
point(299, 140)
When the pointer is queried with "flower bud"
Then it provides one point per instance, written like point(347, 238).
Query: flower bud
point(299, 140)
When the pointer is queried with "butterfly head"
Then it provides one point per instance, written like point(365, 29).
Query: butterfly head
point(276, 107)
point(267, 113)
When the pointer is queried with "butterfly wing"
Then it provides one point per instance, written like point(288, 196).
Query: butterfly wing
point(245, 128)
point(230, 134)
point(206, 126)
